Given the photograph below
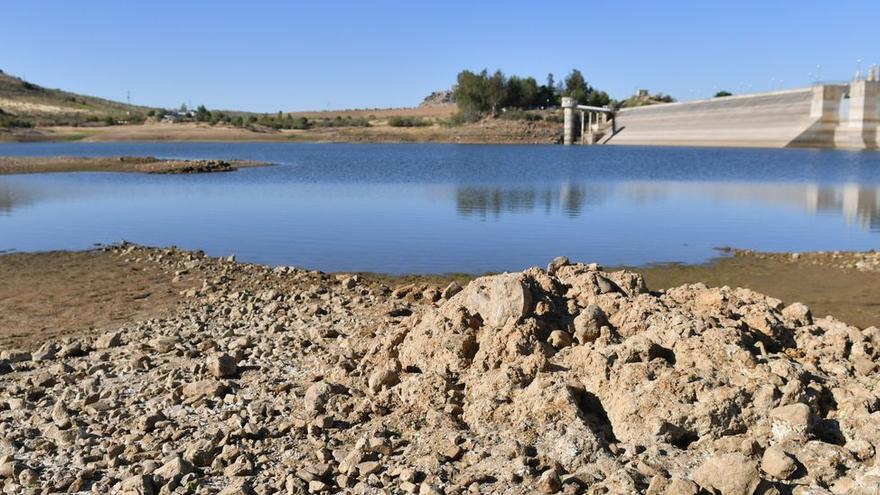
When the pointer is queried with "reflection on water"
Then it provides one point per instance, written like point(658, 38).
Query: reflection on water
point(570, 199)
point(854, 202)
point(438, 208)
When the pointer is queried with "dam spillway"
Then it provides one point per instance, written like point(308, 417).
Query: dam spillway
point(804, 117)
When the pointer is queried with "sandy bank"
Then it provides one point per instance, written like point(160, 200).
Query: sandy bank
point(147, 165)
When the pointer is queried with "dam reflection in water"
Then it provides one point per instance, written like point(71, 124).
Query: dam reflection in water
point(855, 203)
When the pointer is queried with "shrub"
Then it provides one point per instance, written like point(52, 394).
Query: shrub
point(399, 121)
point(517, 114)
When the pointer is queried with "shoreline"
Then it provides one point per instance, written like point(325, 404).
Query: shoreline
point(10, 165)
point(491, 131)
point(238, 378)
point(841, 284)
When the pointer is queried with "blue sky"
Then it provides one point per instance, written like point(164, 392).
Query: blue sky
point(270, 56)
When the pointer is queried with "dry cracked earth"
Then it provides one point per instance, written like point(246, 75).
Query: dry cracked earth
point(565, 380)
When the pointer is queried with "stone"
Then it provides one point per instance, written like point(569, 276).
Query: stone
point(222, 365)
point(549, 482)
point(793, 420)
point(776, 463)
point(588, 324)
point(559, 339)
point(316, 397)
point(679, 486)
point(382, 379)
point(238, 486)
point(557, 263)
point(798, 314)
point(200, 453)
point(728, 474)
point(497, 299)
point(140, 484)
point(606, 285)
point(452, 289)
point(108, 340)
point(204, 388)
point(174, 468)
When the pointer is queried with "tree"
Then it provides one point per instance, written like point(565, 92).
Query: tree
point(723, 93)
point(202, 114)
point(529, 93)
point(576, 87)
point(496, 91)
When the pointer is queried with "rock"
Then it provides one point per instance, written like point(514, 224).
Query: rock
point(316, 397)
point(174, 468)
point(452, 289)
point(588, 324)
point(222, 365)
point(318, 486)
point(798, 314)
point(497, 299)
point(777, 463)
point(678, 486)
point(238, 486)
point(200, 453)
point(793, 420)
point(140, 484)
point(549, 481)
point(607, 285)
point(728, 474)
point(382, 379)
point(11, 469)
point(108, 340)
point(557, 263)
point(559, 339)
point(204, 388)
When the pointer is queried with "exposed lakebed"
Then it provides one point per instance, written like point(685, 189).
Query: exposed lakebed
point(430, 208)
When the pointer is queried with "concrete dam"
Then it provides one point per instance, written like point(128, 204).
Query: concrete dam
point(806, 117)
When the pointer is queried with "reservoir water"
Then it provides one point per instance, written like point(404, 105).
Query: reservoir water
point(435, 208)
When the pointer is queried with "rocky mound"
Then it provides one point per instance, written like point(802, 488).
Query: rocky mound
point(439, 98)
point(570, 380)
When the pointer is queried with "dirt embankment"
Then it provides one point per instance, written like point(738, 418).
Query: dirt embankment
point(489, 131)
point(147, 165)
point(572, 379)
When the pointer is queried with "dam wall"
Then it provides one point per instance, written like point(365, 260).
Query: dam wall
point(804, 117)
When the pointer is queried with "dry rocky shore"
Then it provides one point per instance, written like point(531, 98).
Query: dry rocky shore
point(565, 380)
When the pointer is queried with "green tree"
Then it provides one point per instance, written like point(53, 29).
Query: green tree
point(530, 93)
point(202, 114)
point(496, 91)
point(576, 87)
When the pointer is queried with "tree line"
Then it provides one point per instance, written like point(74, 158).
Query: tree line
point(480, 93)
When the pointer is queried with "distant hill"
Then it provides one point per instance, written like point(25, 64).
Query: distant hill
point(23, 103)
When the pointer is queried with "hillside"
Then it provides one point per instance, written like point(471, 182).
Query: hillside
point(24, 104)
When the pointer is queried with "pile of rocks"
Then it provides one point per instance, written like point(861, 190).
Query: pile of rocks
point(569, 380)
point(863, 261)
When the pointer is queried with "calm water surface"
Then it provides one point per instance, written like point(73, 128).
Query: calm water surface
point(452, 208)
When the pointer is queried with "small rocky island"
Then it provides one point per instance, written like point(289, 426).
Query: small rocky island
point(136, 164)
